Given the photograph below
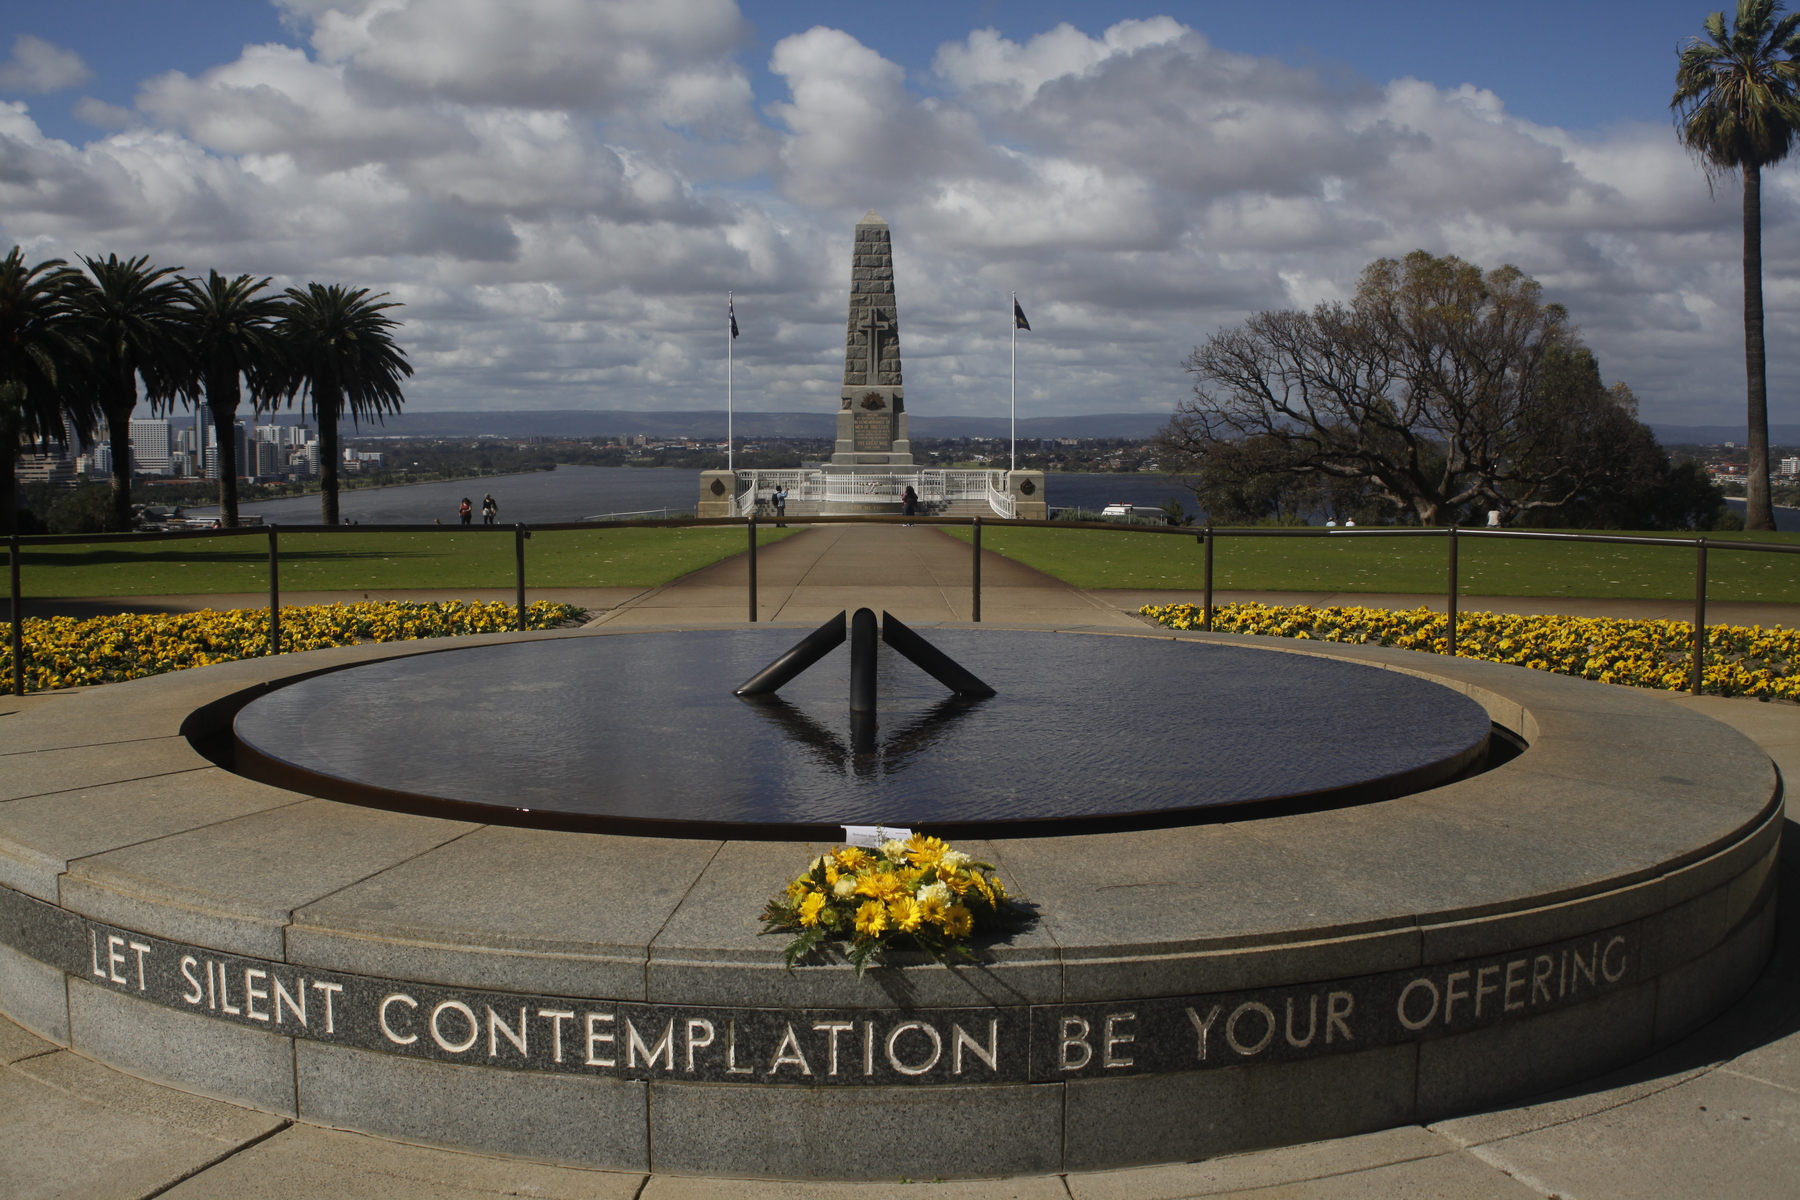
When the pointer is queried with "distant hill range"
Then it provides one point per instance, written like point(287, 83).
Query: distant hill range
point(576, 423)
point(1718, 435)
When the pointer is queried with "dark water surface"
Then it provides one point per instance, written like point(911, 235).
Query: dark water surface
point(566, 494)
point(645, 726)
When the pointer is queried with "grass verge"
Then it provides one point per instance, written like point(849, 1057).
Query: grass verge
point(1486, 567)
point(369, 561)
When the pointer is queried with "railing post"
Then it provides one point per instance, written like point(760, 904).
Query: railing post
point(519, 535)
point(274, 594)
point(17, 613)
point(752, 560)
point(1450, 625)
point(975, 575)
point(1697, 667)
point(1206, 540)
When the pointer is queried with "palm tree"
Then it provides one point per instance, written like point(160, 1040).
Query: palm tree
point(128, 314)
point(1737, 109)
point(229, 335)
point(41, 359)
point(339, 350)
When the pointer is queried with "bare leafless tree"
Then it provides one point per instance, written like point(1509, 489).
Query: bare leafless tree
point(1438, 387)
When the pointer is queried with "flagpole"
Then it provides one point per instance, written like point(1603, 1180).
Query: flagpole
point(730, 442)
point(1013, 320)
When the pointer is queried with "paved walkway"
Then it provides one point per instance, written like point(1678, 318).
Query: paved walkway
point(1714, 1117)
point(914, 571)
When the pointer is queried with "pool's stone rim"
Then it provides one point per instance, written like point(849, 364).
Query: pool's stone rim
point(1593, 834)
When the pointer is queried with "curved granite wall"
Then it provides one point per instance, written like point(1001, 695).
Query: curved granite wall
point(606, 1000)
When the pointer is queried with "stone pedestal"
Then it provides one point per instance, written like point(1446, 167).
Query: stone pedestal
point(1027, 490)
point(718, 494)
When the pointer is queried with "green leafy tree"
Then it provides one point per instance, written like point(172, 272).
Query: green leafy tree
point(340, 352)
point(128, 313)
point(1737, 110)
point(42, 356)
point(228, 333)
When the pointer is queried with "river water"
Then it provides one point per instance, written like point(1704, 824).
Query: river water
point(572, 493)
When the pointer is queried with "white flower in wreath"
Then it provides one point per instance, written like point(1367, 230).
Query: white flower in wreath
point(954, 860)
point(845, 887)
point(893, 849)
point(934, 891)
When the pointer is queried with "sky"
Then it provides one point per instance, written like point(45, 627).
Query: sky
point(561, 192)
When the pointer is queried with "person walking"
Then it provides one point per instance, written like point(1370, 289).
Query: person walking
point(489, 510)
point(779, 498)
point(466, 511)
point(909, 503)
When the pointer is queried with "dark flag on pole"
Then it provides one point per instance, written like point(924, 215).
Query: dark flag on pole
point(1019, 316)
point(731, 313)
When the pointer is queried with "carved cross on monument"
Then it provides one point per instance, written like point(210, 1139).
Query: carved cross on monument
point(874, 324)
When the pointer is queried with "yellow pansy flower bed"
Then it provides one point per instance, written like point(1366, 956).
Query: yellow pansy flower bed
point(917, 894)
point(64, 652)
point(1740, 660)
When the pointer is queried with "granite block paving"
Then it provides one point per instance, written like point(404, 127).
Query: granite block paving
point(1205, 1113)
point(40, 835)
point(548, 912)
point(34, 995)
point(91, 766)
point(181, 1049)
point(235, 884)
point(827, 1133)
point(562, 1118)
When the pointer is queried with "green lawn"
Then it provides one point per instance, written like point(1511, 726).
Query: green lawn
point(352, 561)
point(1487, 567)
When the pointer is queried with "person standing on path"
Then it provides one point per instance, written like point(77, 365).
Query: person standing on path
point(466, 511)
point(489, 510)
point(909, 502)
point(779, 498)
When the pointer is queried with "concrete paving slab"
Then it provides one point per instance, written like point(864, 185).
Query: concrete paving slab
point(677, 1187)
point(305, 1161)
point(1720, 1134)
point(17, 1044)
point(1264, 1169)
point(77, 1129)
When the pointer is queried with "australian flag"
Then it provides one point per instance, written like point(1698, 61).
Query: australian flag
point(731, 314)
point(1019, 316)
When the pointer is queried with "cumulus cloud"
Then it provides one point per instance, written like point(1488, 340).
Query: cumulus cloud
point(560, 190)
point(37, 67)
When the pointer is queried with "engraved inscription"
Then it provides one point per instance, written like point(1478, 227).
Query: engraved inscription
point(874, 432)
point(1017, 1043)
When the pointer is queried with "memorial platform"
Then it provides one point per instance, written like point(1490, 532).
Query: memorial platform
point(1187, 993)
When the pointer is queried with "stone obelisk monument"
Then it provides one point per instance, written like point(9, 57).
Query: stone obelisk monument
point(871, 428)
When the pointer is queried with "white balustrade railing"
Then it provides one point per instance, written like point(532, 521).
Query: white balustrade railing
point(824, 487)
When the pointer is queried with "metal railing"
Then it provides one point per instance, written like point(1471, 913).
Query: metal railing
point(1207, 537)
